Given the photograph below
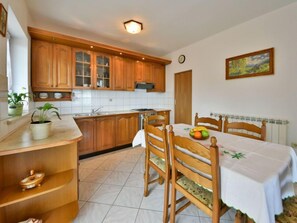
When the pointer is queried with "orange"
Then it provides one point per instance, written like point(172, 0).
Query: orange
point(197, 135)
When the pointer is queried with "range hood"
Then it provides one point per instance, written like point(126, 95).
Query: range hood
point(144, 85)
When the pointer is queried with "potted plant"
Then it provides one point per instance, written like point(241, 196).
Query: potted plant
point(15, 103)
point(41, 128)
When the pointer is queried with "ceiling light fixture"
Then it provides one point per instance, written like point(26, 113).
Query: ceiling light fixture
point(133, 26)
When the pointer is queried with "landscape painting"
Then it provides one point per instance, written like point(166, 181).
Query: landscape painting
point(249, 65)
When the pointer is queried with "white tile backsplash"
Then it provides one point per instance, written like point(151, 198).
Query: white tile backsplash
point(85, 100)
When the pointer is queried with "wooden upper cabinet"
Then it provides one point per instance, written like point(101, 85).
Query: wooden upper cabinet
point(102, 71)
point(129, 73)
point(139, 67)
point(158, 78)
point(51, 66)
point(82, 69)
point(147, 72)
point(42, 65)
point(118, 73)
point(62, 66)
point(123, 73)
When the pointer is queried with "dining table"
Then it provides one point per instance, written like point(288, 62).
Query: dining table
point(255, 175)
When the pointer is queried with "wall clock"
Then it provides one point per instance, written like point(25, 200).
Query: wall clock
point(181, 59)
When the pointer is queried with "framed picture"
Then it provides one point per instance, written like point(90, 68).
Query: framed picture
point(250, 65)
point(3, 21)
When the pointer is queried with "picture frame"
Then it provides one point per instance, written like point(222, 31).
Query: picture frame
point(251, 64)
point(3, 20)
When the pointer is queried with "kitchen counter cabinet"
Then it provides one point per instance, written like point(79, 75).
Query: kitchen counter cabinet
point(87, 127)
point(126, 128)
point(56, 156)
point(105, 133)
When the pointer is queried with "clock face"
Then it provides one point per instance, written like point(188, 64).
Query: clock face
point(181, 58)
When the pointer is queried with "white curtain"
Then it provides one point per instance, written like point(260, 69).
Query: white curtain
point(8, 66)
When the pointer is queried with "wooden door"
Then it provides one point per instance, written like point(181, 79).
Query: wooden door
point(105, 133)
point(86, 126)
point(42, 65)
point(183, 97)
point(119, 82)
point(129, 73)
point(62, 67)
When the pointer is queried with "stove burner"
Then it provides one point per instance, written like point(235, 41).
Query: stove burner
point(143, 109)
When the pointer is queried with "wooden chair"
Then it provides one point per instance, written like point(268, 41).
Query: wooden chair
point(209, 123)
point(155, 120)
point(245, 129)
point(200, 180)
point(157, 157)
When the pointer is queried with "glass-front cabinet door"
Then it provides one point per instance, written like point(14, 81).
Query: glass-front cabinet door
point(82, 68)
point(102, 71)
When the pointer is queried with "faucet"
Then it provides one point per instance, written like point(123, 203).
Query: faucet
point(95, 110)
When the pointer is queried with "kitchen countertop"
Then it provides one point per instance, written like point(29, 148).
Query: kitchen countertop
point(110, 113)
point(63, 132)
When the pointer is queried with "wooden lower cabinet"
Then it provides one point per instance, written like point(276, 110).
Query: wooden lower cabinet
point(126, 128)
point(105, 133)
point(87, 127)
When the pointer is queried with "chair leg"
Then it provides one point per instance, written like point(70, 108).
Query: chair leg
point(146, 179)
point(161, 180)
point(173, 204)
point(166, 200)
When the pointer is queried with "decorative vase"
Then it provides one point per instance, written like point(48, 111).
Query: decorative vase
point(40, 130)
point(15, 110)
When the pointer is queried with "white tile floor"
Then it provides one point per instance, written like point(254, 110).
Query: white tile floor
point(111, 191)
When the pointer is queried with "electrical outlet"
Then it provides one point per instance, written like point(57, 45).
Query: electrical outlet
point(294, 145)
point(110, 99)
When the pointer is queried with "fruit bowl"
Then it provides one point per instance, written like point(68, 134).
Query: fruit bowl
point(199, 133)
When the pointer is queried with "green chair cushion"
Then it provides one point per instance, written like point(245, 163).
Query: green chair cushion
point(202, 194)
point(289, 214)
point(159, 162)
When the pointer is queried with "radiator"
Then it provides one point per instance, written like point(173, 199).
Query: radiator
point(276, 129)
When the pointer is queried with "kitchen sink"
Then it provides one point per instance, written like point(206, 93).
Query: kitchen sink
point(92, 114)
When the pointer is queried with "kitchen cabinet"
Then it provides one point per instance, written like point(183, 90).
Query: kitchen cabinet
point(126, 128)
point(102, 71)
point(158, 78)
point(91, 70)
point(82, 68)
point(165, 113)
point(87, 127)
point(56, 200)
point(105, 133)
point(51, 67)
point(123, 73)
point(139, 74)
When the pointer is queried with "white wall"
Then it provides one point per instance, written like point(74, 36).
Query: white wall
point(265, 96)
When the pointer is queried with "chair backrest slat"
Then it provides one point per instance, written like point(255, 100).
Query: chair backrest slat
point(209, 123)
point(156, 151)
point(245, 129)
point(193, 175)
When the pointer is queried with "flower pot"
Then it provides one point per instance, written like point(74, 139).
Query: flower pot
point(15, 110)
point(40, 130)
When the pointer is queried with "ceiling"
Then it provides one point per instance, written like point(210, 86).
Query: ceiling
point(168, 24)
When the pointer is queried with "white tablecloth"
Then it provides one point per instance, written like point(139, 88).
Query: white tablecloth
point(256, 183)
